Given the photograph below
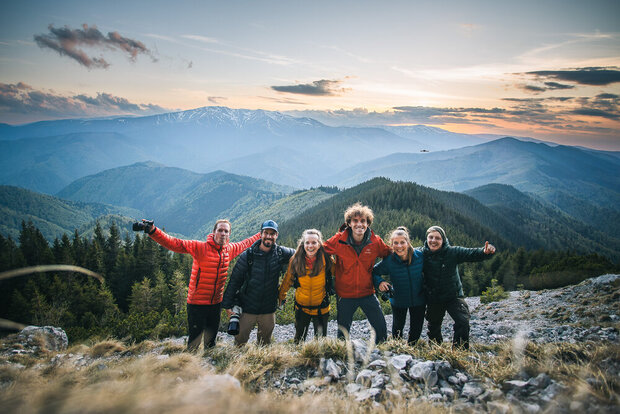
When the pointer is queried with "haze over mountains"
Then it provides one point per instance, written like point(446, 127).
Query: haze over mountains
point(187, 168)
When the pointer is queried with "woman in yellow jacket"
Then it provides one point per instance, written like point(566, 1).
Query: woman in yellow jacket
point(309, 271)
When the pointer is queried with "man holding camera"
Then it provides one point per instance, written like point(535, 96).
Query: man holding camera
point(209, 273)
point(253, 285)
point(356, 248)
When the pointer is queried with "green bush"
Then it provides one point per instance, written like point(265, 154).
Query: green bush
point(494, 293)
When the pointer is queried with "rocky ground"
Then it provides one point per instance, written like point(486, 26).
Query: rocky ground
point(586, 315)
point(588, 311)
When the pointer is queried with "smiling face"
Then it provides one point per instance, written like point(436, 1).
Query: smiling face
point(400, 245)
point(311, 244)
point(268, 238)
point(434, 241)
point(358, 227)
point(221, 235)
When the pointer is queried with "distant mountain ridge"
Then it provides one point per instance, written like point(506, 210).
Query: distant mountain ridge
point(577, 181)
point(198, 140)
point(181, 199)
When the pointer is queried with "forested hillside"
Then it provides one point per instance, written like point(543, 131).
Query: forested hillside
point(53, 216)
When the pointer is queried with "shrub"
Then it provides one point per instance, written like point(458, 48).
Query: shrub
point(494, 293)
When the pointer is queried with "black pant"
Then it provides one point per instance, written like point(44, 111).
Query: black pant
point(202, 319)
point(371, 308)
point(416, 321)
point(459, 311)
point(302, 322)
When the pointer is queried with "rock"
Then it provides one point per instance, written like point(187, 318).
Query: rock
point(378, 382)
point(471, 390)
point(530, 408)
point(53, 339)
point(448, 392)
point(370, 393)
point(378, 364)
point(352, 388)
point(462, 377)
point(495, 407)
point(400, 361)
point(515, 385)
point(542, 380)
point(360, 350)
point(435, 397)
point(444, 369)
point(424, 371)
point(329, 368)
point(364, 377)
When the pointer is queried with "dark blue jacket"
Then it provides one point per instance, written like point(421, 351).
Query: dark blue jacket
point(255, 287)
point(406, 279)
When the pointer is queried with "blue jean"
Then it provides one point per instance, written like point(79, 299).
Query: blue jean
point(371, 308)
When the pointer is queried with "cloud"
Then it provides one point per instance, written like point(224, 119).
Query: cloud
point(532, 88)
point(216, 99)
point(28, 103)
point(321, 87)
point(595, 76)
point(555, 86)
point(69, 42)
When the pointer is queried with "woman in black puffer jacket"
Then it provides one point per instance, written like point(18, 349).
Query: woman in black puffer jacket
point(444, 289)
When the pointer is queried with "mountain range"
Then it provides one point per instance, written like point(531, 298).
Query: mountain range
point(188, 168)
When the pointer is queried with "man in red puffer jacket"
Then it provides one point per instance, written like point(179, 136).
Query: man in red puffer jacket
point(356, 248)
point(209, 273)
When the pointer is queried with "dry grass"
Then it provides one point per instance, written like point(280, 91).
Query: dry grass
point(106, 348)
point(153, 378)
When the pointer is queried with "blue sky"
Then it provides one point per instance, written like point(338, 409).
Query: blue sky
point(545, 69)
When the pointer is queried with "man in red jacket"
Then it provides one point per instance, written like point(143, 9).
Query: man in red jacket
point(356, 248)
point(209, 273)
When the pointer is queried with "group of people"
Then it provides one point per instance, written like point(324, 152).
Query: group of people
point(423, 282)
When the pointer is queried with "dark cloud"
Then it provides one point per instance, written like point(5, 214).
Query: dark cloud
point(321, 87)
point(596, 76)
point(21, 99)
point(555, 86)
point(532, 88)
point(69, 42)
point(596, 113)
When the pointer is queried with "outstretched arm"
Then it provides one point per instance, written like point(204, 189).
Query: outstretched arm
point(173, 243)
point(238, 247)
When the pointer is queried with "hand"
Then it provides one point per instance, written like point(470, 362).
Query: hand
point(488, 248)
point(229, 312)
point(343, 227)
point(384, 286)
point(149, 226)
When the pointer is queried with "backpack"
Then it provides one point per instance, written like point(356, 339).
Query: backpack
point(282, 260)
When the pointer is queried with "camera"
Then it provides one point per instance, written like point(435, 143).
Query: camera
point(233, 325)
point(142, 225)
point(388, 293)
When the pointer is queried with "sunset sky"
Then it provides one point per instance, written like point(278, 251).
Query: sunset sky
point(543, 69)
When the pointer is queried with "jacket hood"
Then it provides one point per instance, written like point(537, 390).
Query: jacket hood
point(446, 242)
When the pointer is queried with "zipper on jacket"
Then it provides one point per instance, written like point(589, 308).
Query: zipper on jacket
point(197, 281)
point(217, 275)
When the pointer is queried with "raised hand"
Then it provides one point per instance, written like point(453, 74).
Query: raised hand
point(488, 248)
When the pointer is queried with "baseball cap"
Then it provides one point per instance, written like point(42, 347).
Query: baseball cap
point(269, 224)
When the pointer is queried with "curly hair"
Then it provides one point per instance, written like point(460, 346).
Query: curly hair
point(359, 210)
